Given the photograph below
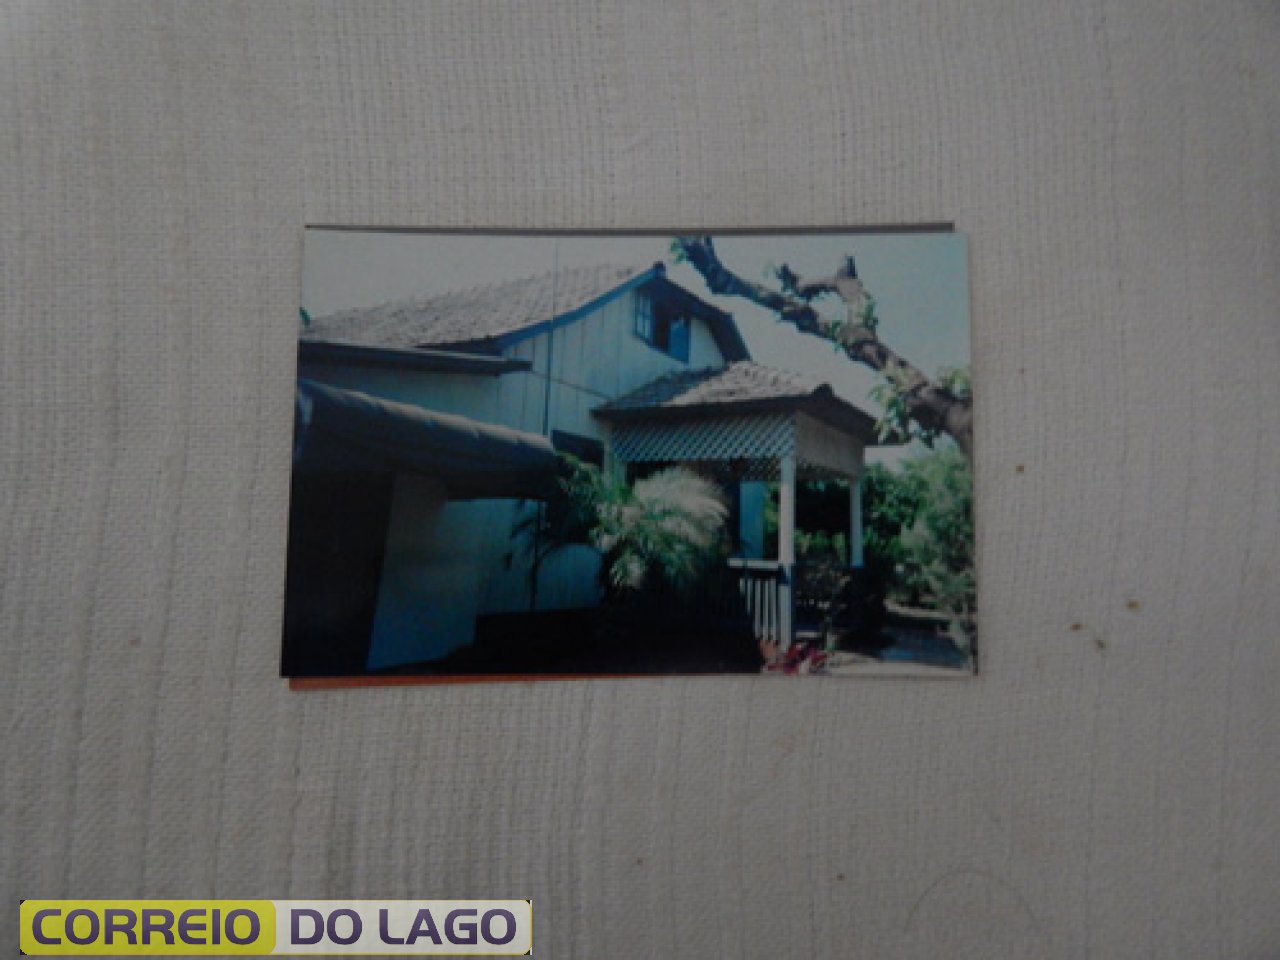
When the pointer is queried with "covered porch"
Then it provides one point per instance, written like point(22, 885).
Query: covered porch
point(747, 426)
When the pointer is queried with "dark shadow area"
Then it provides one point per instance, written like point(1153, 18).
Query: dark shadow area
point(337, 528)
point(609, 640)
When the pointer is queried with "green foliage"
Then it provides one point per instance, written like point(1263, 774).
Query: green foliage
point(938, 546)
point(822, 546)
point(895, 422)
point(667, 529)
point(893, 391)
point(889, 504)
point(919, 521)
point(663, 531)
point(822, 522)
point(830, 328)
point(833, 327)
point(869, 318)
point(824, 583)
point(569, 518)
point(958, 381)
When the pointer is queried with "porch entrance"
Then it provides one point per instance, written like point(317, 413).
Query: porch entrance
point(751, 425)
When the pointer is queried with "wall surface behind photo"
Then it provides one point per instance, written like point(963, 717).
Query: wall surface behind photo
point(1109, 787)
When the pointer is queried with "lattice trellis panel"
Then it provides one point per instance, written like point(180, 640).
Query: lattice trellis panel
point(754, 445)
point(728, 438)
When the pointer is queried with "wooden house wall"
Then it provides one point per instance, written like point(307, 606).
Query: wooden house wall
point(593, 360)
point(461, 556)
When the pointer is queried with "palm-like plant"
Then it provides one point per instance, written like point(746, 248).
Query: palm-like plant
point(663, 531)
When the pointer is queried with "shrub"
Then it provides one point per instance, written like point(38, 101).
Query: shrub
point(661, 532)
point(919, 524)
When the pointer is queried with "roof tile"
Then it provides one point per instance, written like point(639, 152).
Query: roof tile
point(736, 383)
point(736, 389)
point(479, 313)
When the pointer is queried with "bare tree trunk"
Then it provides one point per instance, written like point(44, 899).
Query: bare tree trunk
point(933, 407)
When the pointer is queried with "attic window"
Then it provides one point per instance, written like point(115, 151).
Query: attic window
point(663, 327)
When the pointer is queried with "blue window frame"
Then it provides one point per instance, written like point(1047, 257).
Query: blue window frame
point(663, 328)
point(644, 318)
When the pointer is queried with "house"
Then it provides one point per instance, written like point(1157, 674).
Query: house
point(425, 429)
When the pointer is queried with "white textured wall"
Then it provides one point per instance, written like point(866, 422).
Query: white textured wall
point(1111, 791)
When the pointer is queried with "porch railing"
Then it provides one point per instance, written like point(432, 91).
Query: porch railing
point(782, 601)
point(765, 589)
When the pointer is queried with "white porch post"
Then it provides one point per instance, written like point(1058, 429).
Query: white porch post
point(786, 546)
point(856, 558)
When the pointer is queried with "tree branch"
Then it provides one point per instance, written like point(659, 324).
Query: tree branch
point(701, 254)
point(932, 407)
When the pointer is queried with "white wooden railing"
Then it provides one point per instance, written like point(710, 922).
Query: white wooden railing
point(765, 588)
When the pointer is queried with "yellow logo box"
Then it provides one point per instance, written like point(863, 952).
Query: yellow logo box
point(265, 927)
point(131, 928)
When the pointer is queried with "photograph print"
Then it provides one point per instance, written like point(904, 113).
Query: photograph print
point(524, 456)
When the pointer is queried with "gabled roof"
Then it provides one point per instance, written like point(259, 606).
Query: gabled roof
point(489, 318)
point(739, 388)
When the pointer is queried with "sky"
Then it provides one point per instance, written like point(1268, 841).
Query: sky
point(920, 282)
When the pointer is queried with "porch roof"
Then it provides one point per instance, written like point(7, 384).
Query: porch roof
point(738, 389)
point(746, 415)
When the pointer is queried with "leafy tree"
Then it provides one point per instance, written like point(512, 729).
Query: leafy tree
point(914, 403)
point(938, 545)
point(920, 521)
point(889, 504)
